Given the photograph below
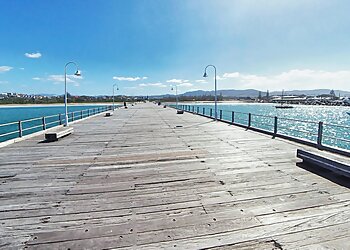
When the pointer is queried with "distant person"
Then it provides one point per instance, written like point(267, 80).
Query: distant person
point(124, 104)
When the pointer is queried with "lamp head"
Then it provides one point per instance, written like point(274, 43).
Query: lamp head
point(77, 73)
point(205, 74)
point(172, 88)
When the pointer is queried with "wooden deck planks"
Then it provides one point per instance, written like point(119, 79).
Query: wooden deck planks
point(136, 180)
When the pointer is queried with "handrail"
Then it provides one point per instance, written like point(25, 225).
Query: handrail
point(319, 132)
point(21, 128)
point(7, 124)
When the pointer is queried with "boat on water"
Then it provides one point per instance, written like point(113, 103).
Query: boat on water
point(282, 105)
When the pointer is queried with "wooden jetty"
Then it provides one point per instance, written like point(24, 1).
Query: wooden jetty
point(147, 178)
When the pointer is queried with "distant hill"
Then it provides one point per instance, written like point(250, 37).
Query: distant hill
point(255, 93)
point(225, 93)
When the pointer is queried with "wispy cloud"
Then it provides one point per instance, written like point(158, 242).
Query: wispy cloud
point(292, 79)
point(128, 78)
point(201, 81)
point(231, 75)
point(5, 69)
point(157, 84)
point(36, 78)
point(4, 82)
point(33, 55)
point(177, 81)
point(185, 84)
point(56, 79)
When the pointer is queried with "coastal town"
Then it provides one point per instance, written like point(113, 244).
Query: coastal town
point(330, 99)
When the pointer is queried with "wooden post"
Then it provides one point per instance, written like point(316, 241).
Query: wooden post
point(60, 119)
point(20, 131)
point(320, 133)
point(220, 114)
point(249, 119)
point(233, 116)
point(44, 124)
point(275, 126)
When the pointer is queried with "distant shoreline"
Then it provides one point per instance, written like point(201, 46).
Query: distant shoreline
point(56, 104)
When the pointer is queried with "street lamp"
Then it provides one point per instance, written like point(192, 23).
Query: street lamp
point(216, 98)
point(113, 93)
point(77, 73)
point(177, 101)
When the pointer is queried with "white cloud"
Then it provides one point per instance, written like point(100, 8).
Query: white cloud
point(4, 82)
point(157, 84)
point(36, 78)
point(60, 78)
point(185, 84)
point(21, 68)
point(177, 81)
point(289, 80)
point(33, 55)
point(130, 79)
point(231, 75)
point(201, 81)
point(5, 68)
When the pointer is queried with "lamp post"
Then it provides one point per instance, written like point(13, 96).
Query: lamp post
point(177, 101)
point(113, 93)
point(216, 98)
point(77, 73)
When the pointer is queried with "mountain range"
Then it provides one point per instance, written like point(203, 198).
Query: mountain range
point(255, 93)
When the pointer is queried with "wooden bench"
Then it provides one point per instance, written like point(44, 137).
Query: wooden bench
point(180, 111)
point(319, 161)
point(54, 136)
point(109, 114)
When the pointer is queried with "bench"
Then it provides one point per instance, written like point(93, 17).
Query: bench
point(180, 111)
point(319, 161)
point(54, 136)
point(109, 114)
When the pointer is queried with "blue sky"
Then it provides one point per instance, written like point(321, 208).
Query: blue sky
point(145, 46)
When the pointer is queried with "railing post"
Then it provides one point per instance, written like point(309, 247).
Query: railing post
point(72, 116)
point(44, 123)
point(197, 110)
point(88, 114)
point(249, 120)
point(211, 112)
point(233, 116)
point(20, 132)
point(192, 109)
point(60, 119)
point(81, 114)
point(203, 111)
point(220, 114)
point(320, 133)
point(275, 126)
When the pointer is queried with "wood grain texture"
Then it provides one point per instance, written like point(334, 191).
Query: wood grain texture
point(147, 178)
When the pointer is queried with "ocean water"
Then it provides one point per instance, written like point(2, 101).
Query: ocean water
point(10, 114)
point(302, 121)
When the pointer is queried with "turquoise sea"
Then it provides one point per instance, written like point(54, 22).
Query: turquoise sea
point(302, 121)
point(9, 114)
